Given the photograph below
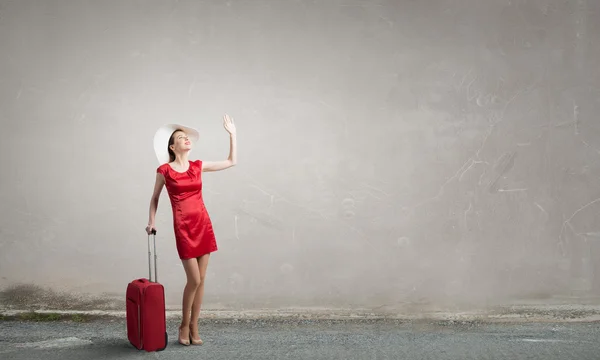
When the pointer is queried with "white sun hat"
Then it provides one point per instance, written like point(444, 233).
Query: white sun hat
point(162, 136)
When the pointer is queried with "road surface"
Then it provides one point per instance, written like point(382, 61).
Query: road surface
point(298, 339)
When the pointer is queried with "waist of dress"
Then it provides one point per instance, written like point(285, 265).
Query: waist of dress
point(188, 203)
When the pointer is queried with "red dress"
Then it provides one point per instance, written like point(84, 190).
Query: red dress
point(194, 235)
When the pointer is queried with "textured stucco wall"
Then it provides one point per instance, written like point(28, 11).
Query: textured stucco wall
point(390, 152)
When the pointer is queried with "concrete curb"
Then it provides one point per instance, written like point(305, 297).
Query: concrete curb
point(524, 313)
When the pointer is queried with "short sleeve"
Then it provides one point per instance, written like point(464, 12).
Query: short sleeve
point(160, 170)
point(199, 164)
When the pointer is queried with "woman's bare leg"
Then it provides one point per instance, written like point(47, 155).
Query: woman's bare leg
point(191, 287)
point(202, 266)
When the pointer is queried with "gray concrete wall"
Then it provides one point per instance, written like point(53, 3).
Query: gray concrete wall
point(390, 152)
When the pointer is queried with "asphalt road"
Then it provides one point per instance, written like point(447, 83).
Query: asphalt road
point(277, 339)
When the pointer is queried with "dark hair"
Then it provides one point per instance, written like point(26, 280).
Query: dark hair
point(171, 142)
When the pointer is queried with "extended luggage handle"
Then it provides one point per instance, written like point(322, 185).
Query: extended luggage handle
point(149, 256)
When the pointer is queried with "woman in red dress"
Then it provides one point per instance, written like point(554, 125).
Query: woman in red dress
point(194, 236)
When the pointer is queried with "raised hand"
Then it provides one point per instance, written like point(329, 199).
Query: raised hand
point(228, 124)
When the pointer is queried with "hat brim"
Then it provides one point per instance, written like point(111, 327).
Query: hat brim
point(162, 136)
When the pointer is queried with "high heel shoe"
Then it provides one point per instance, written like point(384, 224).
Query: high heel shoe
point(193, 341)
point(185, 342)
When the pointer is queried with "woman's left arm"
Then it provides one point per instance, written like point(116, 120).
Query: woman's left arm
point(232, 159)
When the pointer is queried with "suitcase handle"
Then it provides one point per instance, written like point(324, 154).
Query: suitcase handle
point(149, 266)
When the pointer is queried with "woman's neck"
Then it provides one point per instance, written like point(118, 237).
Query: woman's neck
point(181, 159)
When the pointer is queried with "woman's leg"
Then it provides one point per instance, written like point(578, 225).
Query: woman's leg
point(202, 266)
point(193, 282)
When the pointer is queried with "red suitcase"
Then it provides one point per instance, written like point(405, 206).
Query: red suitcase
point(146, 315)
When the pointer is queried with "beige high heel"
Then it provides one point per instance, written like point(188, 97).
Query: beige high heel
point(193, 341)
point(184, 342)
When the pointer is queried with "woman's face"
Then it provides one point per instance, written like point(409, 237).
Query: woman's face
point(181, 142)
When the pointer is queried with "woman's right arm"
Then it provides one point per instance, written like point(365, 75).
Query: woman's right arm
point(158, 185)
